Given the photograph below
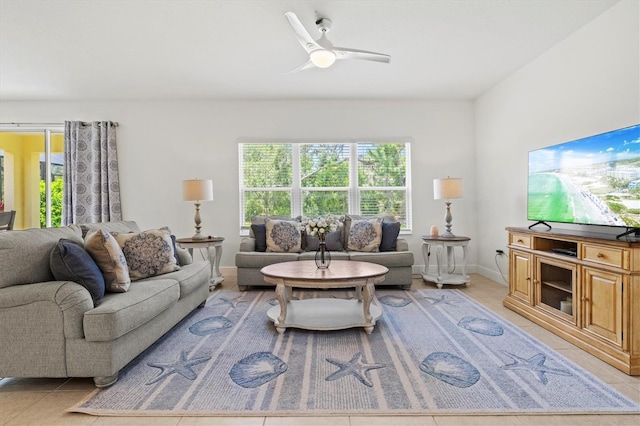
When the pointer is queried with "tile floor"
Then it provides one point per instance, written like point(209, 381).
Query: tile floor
point(43, 401)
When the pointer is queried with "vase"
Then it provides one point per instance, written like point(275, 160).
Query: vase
point(323, 256)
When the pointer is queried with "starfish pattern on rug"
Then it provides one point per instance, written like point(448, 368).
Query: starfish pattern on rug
point(442, 300)
point(535, 365)
point(231, 302)
point(355, 367)
point(181, 366)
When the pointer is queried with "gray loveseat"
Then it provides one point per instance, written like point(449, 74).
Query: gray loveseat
point(249, 261)
point(51, 328)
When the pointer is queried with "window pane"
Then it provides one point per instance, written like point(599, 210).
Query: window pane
point(272, 203)
point(267, 165)
point(324, 165)
point(381, 164)
point(319, 203)
point(384, 202)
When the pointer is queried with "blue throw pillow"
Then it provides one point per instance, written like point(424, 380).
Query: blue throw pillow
point(70, 262)
point(260, 234)
point(390, 232)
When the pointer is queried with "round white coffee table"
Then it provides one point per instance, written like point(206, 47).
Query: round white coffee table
point(325, 313)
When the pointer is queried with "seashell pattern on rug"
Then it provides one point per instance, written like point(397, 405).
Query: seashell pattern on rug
point(394, 301)
point(210, 325)
point(450, 369)
point(257, 369)
point(481, 326)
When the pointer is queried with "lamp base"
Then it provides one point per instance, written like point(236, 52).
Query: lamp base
point(447, 234)
point(198, 236)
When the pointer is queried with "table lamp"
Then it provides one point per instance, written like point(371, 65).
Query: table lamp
point(446, 189)
point(197, 190)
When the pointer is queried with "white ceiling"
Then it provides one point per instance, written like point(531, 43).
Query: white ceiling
point(241, 49)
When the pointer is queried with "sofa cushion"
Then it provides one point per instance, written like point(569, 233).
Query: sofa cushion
point(365, 234)
point(390, 259)
point(260, 234)
point(254, 259)
point(70, 262)
point(24, 255)
point(283, 236)
point(390, 232)
point(104, 249)
point(189, 277)
point(333, 240)
point(120, 313)
point(148, 253)
point(335, 255)
point(116, 226)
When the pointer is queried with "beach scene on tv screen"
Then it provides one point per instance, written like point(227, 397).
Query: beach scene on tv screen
point(595, 180)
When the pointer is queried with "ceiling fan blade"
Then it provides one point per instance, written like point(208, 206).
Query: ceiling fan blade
point(345, 53)
point(303, 36)
point(302, 67)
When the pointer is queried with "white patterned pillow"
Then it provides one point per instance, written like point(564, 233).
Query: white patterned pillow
point(283, 236)
point(107, 254)
point(365, 235)
point(148, 253)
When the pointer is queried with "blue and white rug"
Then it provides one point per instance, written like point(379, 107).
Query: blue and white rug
point(432, 352)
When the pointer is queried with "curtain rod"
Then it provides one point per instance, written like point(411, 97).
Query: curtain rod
point(86, 123)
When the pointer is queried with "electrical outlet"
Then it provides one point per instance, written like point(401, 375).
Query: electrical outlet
point(500, 252)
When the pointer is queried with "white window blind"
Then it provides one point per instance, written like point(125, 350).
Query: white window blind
point(312, 179)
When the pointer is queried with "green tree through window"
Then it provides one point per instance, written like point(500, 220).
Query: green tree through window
point(312, 179)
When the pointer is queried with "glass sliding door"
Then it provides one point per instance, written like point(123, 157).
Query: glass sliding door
point(32, 160)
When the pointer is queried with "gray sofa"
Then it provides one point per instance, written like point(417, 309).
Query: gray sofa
point(249, 261)
point(51, 328)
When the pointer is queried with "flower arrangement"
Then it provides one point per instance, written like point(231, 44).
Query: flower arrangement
point(319, 227)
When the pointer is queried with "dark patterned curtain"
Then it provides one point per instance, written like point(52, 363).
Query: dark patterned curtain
point(91, 187)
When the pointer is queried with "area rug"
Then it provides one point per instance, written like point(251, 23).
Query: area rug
point(432, 352)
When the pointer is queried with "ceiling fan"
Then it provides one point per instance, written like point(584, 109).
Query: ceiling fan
point(322, 53)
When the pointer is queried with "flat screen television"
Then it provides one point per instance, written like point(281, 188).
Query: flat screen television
point(589, 181)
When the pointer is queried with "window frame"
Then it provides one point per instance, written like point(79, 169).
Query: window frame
point(353, 189)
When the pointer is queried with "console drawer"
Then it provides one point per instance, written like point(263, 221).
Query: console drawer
point(520, 240)
point(606, 255)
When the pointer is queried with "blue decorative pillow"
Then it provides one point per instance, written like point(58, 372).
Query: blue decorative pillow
point(70, 262)
point(390, 232)
point(260, 234)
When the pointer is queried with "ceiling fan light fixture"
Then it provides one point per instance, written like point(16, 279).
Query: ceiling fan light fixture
point(322, 58)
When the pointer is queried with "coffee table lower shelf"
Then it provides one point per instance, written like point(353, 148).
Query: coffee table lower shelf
point(325, 314)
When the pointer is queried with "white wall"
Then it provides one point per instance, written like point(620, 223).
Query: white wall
point(162, 143)
point(585, 85)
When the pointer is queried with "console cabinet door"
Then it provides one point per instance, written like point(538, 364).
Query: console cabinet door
point(602, 304)
point(520, 282)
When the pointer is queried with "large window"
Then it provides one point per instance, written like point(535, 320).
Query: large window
point(311, 179)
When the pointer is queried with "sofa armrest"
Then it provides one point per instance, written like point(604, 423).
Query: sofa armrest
point(402, 245)
point(56, 302)
point(248, 244)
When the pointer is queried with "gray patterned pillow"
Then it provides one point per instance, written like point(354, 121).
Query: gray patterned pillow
point(148, 253)
point(283, 236)
point(333, 240)
point(365, 235)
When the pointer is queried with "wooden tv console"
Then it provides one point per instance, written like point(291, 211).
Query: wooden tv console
point(590, 297)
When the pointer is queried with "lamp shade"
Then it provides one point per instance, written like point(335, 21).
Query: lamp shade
point(197, 190)
point(447, 188)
